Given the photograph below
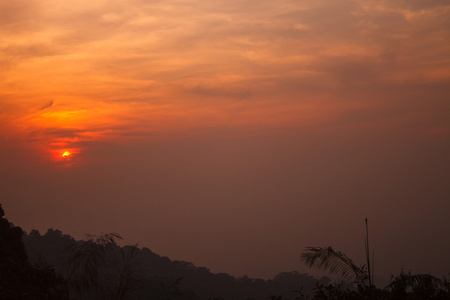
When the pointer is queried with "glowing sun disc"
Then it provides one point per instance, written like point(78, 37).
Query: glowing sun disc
point(66, 154)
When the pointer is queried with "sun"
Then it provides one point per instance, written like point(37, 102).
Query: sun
point(65, 155)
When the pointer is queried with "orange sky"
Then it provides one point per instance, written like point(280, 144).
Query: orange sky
point(112, 81)
point(113, 67)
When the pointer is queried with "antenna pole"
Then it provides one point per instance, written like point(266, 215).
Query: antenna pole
point(369, 273)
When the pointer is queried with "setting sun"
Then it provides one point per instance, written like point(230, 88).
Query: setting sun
point(66, 155)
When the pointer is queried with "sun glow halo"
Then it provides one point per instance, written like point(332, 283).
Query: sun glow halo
point(64, 155)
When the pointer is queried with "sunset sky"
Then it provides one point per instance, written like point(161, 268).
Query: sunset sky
point(231, 134)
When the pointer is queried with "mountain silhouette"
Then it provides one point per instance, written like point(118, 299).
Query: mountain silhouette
point(160, 276)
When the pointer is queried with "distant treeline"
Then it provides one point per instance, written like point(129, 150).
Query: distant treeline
point(152, 276)
point(55, 266)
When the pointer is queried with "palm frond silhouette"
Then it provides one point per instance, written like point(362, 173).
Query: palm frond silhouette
point(335, 262)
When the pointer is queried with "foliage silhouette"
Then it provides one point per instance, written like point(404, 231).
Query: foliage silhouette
point(405, 286)
point(97, 268)
point(18, 278)
point(337, 263)
point(150, 275)
point(84, 262)
point(421, 286)
point(402, 287)
point(13, 259)
point(128, 273)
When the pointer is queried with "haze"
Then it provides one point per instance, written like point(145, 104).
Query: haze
point(232, 134)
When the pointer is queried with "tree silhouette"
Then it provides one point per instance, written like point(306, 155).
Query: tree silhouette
point(422, 286)
point(18, 279)
point(13, 259)
point(85, 261)
point(403, 287)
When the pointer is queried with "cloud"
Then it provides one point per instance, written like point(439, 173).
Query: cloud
point(172, 64)
point(50, 104)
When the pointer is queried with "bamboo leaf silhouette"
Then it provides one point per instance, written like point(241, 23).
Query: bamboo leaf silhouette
point(128, 269)
point(84, 260)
